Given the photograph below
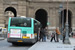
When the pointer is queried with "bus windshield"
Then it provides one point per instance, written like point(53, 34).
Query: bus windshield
point(21, 22)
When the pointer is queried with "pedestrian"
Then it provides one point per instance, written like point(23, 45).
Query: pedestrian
point(53, 36)
point(45, 33)
point(57, 34)
point(64, 35)
point(57, 40)
point(42, 33)
point(72, 34)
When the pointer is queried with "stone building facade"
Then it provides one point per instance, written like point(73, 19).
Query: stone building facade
point(30, 8)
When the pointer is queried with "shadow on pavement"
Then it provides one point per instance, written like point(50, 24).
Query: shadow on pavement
point(22, 45)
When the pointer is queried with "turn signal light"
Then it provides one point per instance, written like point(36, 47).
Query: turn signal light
point(8, 35)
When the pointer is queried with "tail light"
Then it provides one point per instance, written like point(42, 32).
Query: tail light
point(31, 35)
point(8, 35)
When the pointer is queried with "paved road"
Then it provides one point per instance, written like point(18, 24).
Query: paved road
point(4, 45)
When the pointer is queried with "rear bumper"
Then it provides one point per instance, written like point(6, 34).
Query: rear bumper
point(24, 40)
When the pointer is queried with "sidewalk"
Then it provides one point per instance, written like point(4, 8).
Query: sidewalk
point(53, 45)
point(72, 41)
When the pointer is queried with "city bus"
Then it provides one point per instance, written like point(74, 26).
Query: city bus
point(23, 30)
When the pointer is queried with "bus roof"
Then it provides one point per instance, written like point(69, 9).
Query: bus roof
point(21, 17)
point(26, 17)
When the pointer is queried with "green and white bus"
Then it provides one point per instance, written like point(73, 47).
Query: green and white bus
point(23, 30)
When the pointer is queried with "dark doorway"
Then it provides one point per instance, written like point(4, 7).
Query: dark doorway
point(12, 10)
point(63, 15)
point(41, 15)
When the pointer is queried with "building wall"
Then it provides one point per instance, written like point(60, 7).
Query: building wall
point(30, 7)
point(53, 9)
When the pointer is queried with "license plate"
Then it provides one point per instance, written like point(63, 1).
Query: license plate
point(19, 41)
point(25, 37)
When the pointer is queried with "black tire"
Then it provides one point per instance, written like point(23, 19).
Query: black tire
point(14, 44)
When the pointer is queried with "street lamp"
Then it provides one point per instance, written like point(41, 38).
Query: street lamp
point(62, 17)
point(67, 29)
